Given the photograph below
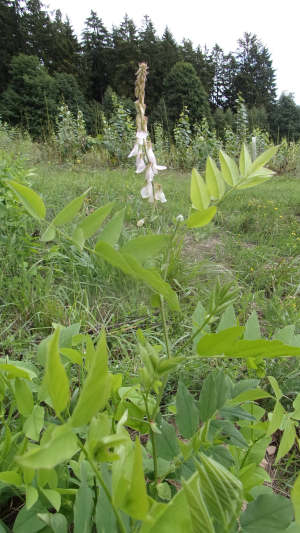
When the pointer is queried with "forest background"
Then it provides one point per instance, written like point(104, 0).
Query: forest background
point(43, 63)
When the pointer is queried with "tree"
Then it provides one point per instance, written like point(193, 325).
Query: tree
point(30, 99)
point(286, 118)
point(255, 76)
point(11, 41)
point(96, 56)
point(125, 57)
point(182, 87)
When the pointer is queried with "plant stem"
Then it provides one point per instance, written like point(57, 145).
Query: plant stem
point(152, 437)
point(98, 475)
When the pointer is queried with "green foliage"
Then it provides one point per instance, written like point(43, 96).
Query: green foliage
point(65, 442)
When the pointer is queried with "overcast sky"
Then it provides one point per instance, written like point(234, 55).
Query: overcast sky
point(206, 22)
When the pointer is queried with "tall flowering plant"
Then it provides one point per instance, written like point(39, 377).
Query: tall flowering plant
point(145, 158)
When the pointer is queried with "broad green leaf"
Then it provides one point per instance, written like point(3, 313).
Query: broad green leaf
point(154, 281)
point(11, 478)
point(252, 328)
point(257, 451)
point(49, 234)
point(287, 336)
point(57, 521)
point(32, 496)
point(27, 520)
point(23, 397)
point(14, 371)
point(250, 396)
point(55, 378)
point(232, 434)
point(83, 509)
point(70, 211)
point(187, 417)
point(295, 495)
point(201, 218)
point(113, 257)
point(29, 198)
point(245, 161)
point(73, 355)
point(276, 418)
point(47, 477)
point(53, 497)
point(275, 387)
point(228, 319)
point(61, 446)
point(215, 344)
point(34, 424)
point(214, 181)
point(200, 514)
point(96, 389)
point(263, 159)
point(166, 442)
point(135, 502)
point(146, 246)
point(199, 194)
point(105, 519)
point(229, 169)
point(214, 393)
point(287, 439)
point(112, 231)
point(253, 181)
point(92, 223)
point(269, 513)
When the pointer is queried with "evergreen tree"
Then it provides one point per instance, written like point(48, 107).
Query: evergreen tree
point(125, 57)
point(182, 87)
point(96, 56)
point(64, 48)
point(286, 118)
point(11, 41)
point(255, 77)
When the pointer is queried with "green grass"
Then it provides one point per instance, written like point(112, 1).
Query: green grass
point(254, 242)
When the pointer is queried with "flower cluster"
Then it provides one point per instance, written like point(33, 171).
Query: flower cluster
point(145, 158)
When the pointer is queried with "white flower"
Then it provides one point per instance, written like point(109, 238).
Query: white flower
point(149, 173)
point(147, 192)
point(159, 194)
point(140, 163)
point(134, 151)
point(180, 218)
point(140, 222)
point(152, 159)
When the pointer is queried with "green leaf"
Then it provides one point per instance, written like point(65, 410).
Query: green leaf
point(53, 497)
point(252, 328)
point(135, 502)
point(263, 159)
point(199, 195)
point(215, 344)
point(96, 389)
point(92, 223)
point(57, 521)
point(61, 446)
point(275, 387)
point(187, 417)
point(49, 234)
point(23, 397)
point(28, 521)
point(15, 371)
point(214, 180)
point(214, 393)
point(55, 378)
point(83, 509)
point(146, 246)
point(229, 169)
point(201, 218)
point(73, 355)
point(113, 257)
point(11, 478)
point(29, 198)
point(295, 495)
point(70, 211)
point(200, 515)
point(228, 319)
point(166, 442)
point(254, 180)
point(250, 396)
point(269, 513)
point(34, 424)
point(32, 496)
point(287, 439)
point(198, 319)
point(276, 418)
point(105, 519)
point(245, 161)
point(112, 231)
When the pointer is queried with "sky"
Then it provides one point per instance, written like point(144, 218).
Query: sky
point(276, 23)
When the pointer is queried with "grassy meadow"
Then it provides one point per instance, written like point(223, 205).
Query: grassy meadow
point(253, 242)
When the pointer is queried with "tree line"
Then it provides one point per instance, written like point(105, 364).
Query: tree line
point(43, 62)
